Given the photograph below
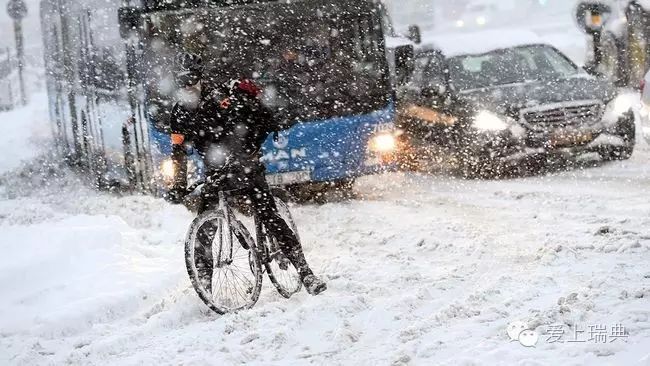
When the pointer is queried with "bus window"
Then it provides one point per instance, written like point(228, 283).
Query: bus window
point(328, 65)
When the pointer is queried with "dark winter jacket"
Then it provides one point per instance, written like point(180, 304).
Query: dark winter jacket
point(229, 121)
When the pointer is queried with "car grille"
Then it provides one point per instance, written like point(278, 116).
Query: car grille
point(551, 117)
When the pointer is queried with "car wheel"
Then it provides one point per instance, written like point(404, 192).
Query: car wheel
point(627, 131)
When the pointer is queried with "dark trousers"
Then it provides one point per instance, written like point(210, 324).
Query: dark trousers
point(250, 183)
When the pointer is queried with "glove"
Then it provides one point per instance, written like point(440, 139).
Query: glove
point(242, 86)
point(175, 196)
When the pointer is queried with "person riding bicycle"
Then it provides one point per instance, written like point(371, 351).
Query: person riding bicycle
point(229, 122)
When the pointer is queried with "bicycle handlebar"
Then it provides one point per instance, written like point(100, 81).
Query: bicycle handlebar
point(212, 178)
point(209, 180)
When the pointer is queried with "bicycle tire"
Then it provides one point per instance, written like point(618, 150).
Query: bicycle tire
point(286, 282)
point(240, 233)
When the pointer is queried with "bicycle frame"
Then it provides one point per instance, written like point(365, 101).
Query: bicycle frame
point(222, 254)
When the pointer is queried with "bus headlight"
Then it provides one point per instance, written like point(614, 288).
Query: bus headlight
point(383, 143)
point(167, 170)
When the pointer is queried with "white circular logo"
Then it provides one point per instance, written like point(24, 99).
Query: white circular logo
point(515, 328)
point(518, 331)
point(281, 142)
point(528, 338)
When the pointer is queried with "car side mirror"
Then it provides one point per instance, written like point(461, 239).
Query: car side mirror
point(130, 20)
point(404, 63)
point(414, 34)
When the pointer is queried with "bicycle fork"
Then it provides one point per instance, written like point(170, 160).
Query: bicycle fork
point(222, 256)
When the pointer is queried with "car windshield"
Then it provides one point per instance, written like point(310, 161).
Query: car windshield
point(332, 62)
point(508, 66)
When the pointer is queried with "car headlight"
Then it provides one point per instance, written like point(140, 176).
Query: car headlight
point(621, 104)
point(167, 169)
point(383, 143)
point(616, 109)
point(488, 121)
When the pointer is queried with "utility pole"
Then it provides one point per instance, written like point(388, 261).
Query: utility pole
point(17, 10)
point(9, 88)
point(592, 17)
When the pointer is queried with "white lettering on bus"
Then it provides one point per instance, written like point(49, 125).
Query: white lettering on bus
point(299, 153)
point(279, 155)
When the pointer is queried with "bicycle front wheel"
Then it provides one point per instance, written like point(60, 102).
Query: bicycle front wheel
point(223, 269)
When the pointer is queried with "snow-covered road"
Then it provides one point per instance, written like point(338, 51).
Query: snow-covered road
point(422, 270)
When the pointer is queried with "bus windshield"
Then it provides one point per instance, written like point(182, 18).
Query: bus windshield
point(315, 60)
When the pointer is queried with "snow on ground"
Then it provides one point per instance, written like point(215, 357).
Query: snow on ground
point(422, 270)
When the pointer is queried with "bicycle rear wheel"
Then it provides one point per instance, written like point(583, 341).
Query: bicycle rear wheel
point(280, 270)
point(227, 280)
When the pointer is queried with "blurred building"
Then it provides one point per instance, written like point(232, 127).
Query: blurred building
point(444, 15)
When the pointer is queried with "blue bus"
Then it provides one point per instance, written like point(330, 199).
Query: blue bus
point(322, 65)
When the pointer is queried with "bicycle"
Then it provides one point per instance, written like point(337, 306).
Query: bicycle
point(230, 287)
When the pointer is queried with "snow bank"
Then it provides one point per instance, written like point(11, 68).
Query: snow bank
point(73, 264)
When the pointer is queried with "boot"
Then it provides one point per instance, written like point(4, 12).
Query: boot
point(314, 285)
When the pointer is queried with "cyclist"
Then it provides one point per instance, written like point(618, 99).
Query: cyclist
point(227, 125)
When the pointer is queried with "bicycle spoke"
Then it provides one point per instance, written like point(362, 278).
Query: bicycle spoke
point(223, 287)
point(222, 284)
point(228, 289)
point(230, 292)
point(243, 278)
point(243, 256)
point(244, 269)
point(235, 280)
point(220, 287)
point(238, 248)
point(233, 288)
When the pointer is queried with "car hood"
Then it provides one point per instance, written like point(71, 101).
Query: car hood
point(509, 99)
